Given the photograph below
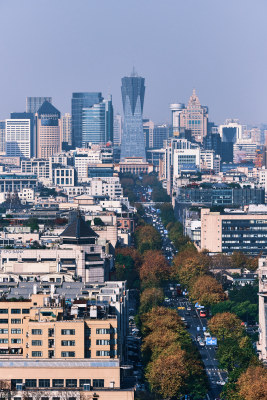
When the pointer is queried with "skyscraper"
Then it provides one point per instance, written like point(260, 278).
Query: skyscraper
point(117, 129)
point(30, 116)
point(78, 102)
point(66, 129)
point(2, 136)
point(195, 118)
point(48, 132)
point(97, 123)
point(133, 93)
point(34, 103)
point(176, 110)
point(18, 138)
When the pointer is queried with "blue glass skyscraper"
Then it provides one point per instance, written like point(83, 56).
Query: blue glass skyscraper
point(78, 102)
point(133, 93)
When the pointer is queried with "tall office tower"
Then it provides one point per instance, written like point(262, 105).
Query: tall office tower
point(48, 132)
point(2, 136)
point(18, 138)
point(30, 116)
point(117, 129)
point(66, 130)
point(231, 131)
point(78, 102)
point(97, 123)
point(176, 110)
point(34, 103)
point(195, 118)
point(213, 142)
point(148, 127)
point(160, 133)
point(133, 93)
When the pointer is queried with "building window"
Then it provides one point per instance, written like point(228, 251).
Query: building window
point(102, 331)
point(25, 311)
point(98, 383)
point(57, 383)
point(4, 331)
point(30, 383)
point(85, 382)
point(3, 321)
point(15, 331)
point(44, 383)
point(67, 331)
point(68, 354)
point(37, 342)
point(3, 310)
point(71, 383)
point(37, 332)
point(15, 321)
point(102, 353)
point(67, 342)
point(17, 341)
point(15, 311)
point(102, 342)
point(3, 340)
point(37, 354)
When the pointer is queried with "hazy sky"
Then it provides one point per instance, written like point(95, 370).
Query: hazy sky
point(56, 47)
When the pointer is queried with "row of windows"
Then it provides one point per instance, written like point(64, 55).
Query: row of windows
point(13, 331)
point(15, 311)
point(58, 383)
point(13, 321)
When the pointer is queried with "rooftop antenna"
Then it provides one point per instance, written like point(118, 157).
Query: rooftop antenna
point(134, 73)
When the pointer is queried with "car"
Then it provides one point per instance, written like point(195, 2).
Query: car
point(180, 308)
point(222, 383)
point(189, 308)
point(202, 314)
point(201, 343)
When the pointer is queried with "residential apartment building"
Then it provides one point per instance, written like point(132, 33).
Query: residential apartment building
point(50, 345)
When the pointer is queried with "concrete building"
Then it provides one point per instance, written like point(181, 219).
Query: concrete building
point(66, 129)
point(195, 118)
point(57, 346)
point(48, 131)
point(231, 131)
point(176, 110)
point(244, 231)
point(2, 137)
point(78, 251)
point(210, 161)
point(18, 138)
point(117, 129)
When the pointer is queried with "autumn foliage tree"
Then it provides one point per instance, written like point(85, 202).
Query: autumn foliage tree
point(226, 326)
point(252, 384)
point(188, 266)
point(147, 238)
point(207, 291)
point(151, 297)
point(155, 269)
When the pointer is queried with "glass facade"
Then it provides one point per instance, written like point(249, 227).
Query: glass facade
point(246, 235)
point(79, 102)
point(133, 93)
point(34, 103)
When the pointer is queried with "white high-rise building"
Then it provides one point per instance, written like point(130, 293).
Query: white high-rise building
point(232, 131)
point(2, 137)
point(117, 129)
point(66, 129)
point(18, 137)
point(176, 110)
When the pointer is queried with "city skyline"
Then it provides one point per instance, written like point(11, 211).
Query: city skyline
point(213, 64)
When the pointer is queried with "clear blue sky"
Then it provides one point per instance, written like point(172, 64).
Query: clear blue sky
point(56, 47)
